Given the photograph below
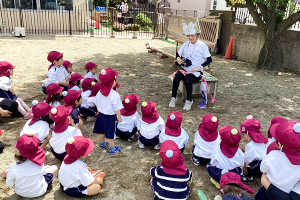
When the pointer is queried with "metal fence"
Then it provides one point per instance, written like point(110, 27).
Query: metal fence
point(243, 16)
point(137, 22)
point(189, 13)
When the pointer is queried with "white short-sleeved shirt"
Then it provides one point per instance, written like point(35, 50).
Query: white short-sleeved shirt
point(74, 174)
point(75, 87)
point(5, 83)
point(55, 104)
point(56, 74)
point(58, 140)
point(40, 129)
point(280, 171)
point(254, 151)
point(297, 188)
point(128, 122)
point(91, 75)
point(195, 53)
point(108, 105)
point(270, 141)
point(149, 131)
point(203, 148)
point(88, 102)
point(219, 160)
point(86, 94)
point(28, 179)
point(180, 140)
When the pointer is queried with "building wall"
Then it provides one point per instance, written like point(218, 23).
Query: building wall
point(221, 5)
point(191, 5)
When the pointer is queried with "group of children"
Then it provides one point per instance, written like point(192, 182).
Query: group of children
point(69, 95)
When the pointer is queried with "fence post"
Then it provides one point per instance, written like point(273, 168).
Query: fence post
point(21, 18)
point(70, 21)
point(112, 23)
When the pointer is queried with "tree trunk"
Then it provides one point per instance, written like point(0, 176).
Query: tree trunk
point(271, 54)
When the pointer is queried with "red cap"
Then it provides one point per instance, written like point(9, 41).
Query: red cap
point(149, 112)
point(288, 134)
point(70, 97)
point(54, 55)
point(52, 89)
point(90, 65)
point(77, 146)
point(60, 115)
point(130, 104)
point(29, 147)
point(173, 124)
point(75, 77)
point(252, 128)
point(67, 64)
point(116, 86)
point(272, 147)
point(233, 178)
point(230, 138)
point(275, 120)
point(208, 129)
point(87, 83)
point(171, 158)
point(39, 109)
point(95, 89)
point(107, 77)
point(5, 68)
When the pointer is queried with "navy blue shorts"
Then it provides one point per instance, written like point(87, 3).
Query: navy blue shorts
point(49, 178)
point(92, 111)
point(74, 114)
point(216, 173)
point(126, 135)
point(7, 95)
point(106, 124)
point(200, 159)
point(254, 169)
point(60, 156)
point(75, 191)
point(149, 142)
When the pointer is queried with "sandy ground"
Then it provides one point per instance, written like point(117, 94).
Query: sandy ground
point(242, 91)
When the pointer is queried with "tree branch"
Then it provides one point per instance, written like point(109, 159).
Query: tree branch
point(264, 11)
point(257, 19)
point(292, 19)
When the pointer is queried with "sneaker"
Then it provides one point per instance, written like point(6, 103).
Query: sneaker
point(215, 183)
point(90, 119)
point(115, 150)
point(27, 116)
point(133, 137)
point(195, 161)
point(1, 132)
point(157, 146)
point(188, 104)
point(172, 102)
point(46, 153)
point(100, 175)
point(246, 177)
point(202, 105)
point(141, 145)
point(103, 145)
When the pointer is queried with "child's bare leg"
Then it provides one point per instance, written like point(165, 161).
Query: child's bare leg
point(111, 142)
point(53, 169)
point(23, 104)
point(101, 138)
point(80, 123)
point(93, 189)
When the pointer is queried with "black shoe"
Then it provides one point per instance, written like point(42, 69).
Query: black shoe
point(246, 177)
point(195, 161)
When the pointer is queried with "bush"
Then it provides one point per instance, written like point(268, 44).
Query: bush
point(101, 3)
point(143, 20)
point(118, 26)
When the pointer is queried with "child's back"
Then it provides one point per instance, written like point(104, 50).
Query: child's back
point(254, 152)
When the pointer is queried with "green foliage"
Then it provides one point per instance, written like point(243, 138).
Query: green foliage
point(101, 3)
point(143, 20)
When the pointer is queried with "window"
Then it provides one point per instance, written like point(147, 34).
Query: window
point(215, 5)
point(39, 4)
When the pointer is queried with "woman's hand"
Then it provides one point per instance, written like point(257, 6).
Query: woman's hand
point(179, 61)
point(197, 68)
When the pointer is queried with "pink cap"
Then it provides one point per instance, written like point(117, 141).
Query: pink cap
point(230, 138)
point(272, 147)
point(90, 65)
point(149, 112)
point(171, 158)
point(87, 83)
point(130, 104)
point(5, 68)
point(75, 77)
point(252, 128)
point(95, 89)
point(29, 147)
point(39, 110)
point(107, 77)
point(173, 124)
point(208, 129)
point(233, 178)
point(288, 134)
point(67, 64)
point(60, 115)
point(275, 120)
point(77, 146)
point(54, 55)
point(53, 89)
point(70, 97)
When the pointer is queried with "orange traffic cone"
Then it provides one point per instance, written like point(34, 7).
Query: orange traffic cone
point(229, 50)
point(97, 24)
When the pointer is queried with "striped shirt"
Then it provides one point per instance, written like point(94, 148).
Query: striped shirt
point(169, 187)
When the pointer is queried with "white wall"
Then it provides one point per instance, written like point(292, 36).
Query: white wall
point(221, 5)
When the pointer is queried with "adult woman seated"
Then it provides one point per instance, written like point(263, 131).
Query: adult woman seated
point(9, 108)
point(191, 59)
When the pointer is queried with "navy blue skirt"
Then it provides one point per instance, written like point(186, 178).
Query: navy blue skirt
point(7, 95)
point(149, 142)
point(254, 169)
